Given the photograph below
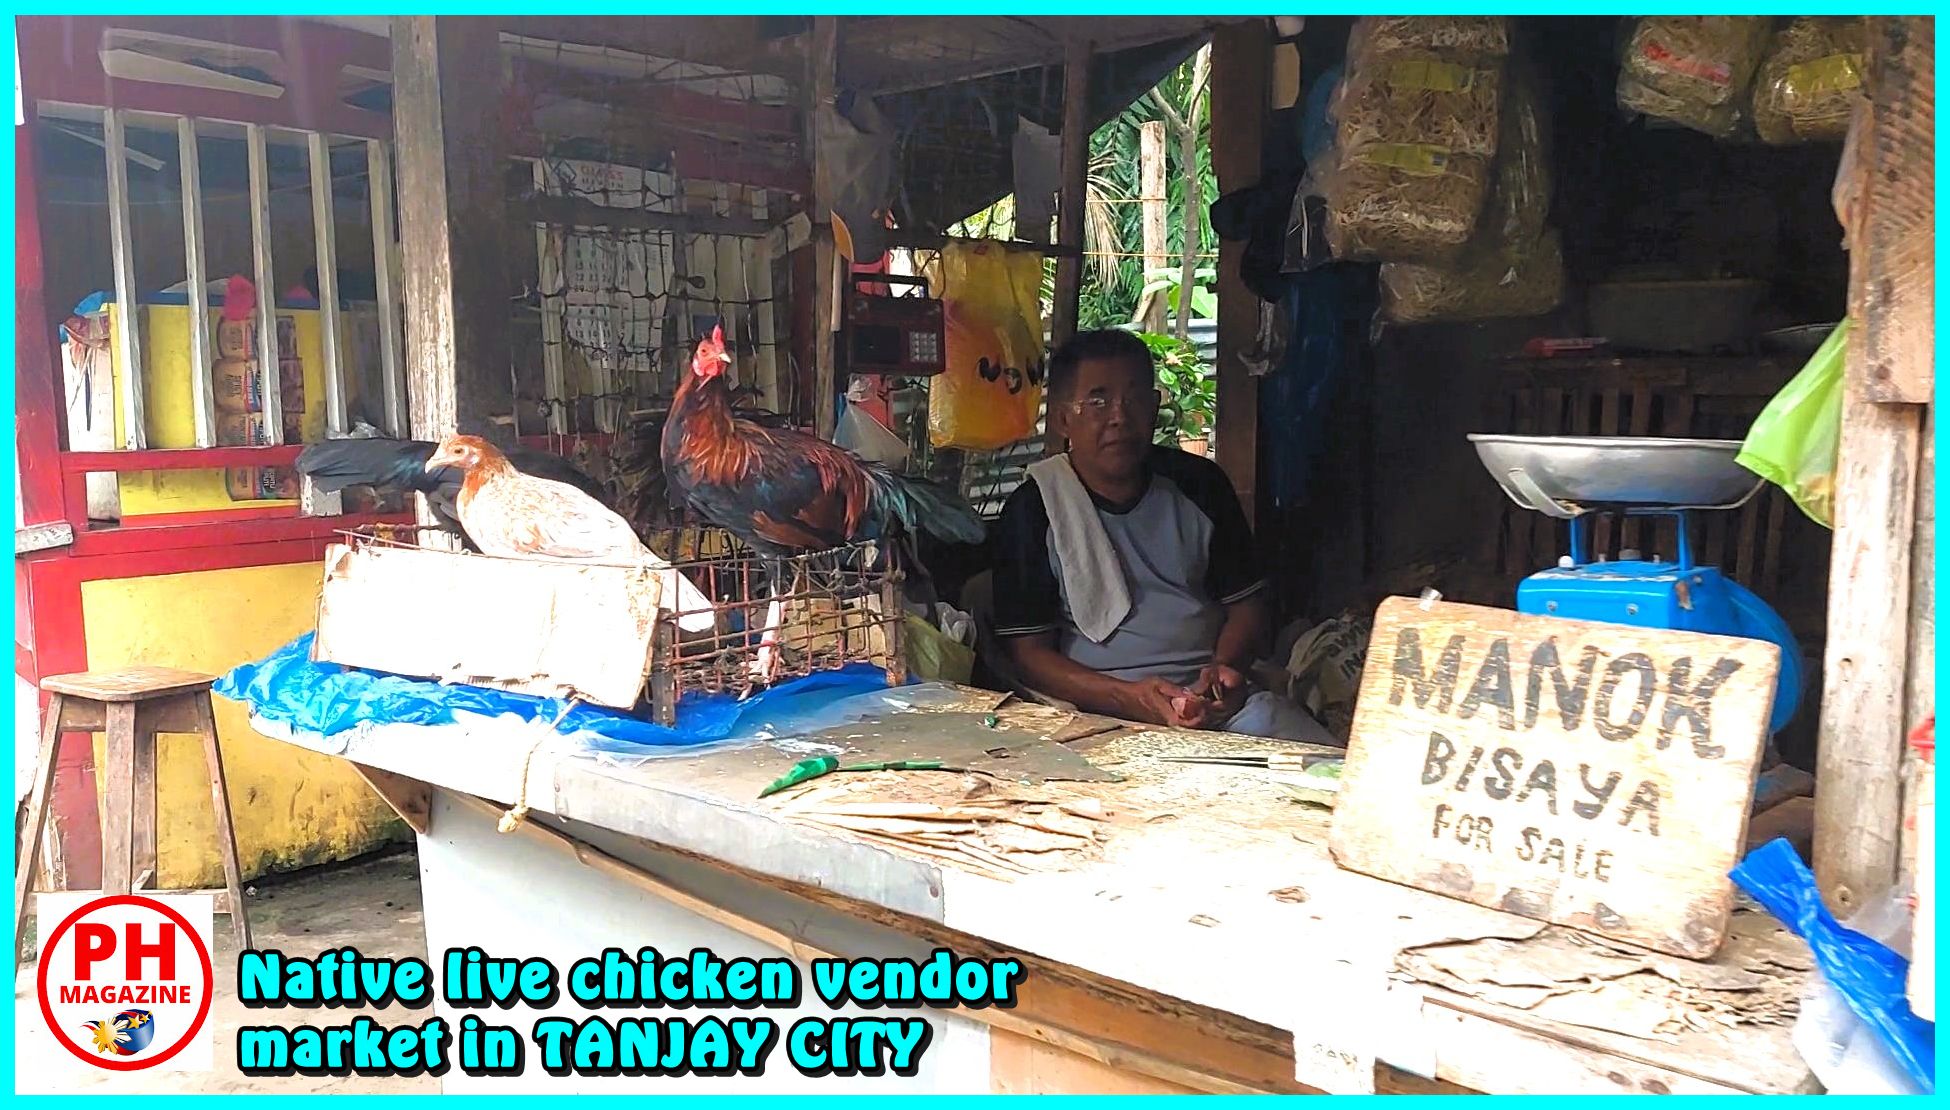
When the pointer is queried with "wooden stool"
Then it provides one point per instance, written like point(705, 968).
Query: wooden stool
point(131, 705)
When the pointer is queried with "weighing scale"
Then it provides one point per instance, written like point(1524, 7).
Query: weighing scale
point(1577, 479)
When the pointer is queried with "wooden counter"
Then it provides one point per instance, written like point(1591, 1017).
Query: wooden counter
point(1202, 938)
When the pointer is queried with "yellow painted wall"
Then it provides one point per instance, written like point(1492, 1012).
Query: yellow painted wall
point(170, 419)
point(292, 808)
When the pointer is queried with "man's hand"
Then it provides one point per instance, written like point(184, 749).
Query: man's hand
point(1155, 701)
point(1222, 689)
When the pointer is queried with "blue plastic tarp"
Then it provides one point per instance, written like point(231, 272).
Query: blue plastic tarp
point(1871, 977)
point(324, 699)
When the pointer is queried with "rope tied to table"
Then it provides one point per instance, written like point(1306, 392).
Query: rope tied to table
point(512, 819)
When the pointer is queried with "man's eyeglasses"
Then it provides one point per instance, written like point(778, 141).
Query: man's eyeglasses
point(1141, 405)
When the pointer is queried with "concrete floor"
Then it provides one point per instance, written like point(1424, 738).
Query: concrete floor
point(372, 905)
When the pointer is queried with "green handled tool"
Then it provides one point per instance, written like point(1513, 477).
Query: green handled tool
point(808, 769)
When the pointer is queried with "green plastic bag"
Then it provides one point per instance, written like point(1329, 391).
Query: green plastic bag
point(934, 656)
point(1794, 439)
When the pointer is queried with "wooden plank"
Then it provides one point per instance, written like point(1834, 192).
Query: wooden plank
point(1484, 1054)
point(577, 212)
point(130, 684)
point(118, 799)
point(203, 404)
point(1896, 303)
point(452, 216)
point(410, 798)
point(1023, 1019)
point(1194, 220)
point(1019, 1065)
point(1241, 84)
point(1072, 189)
point(1860, 747)
point(1498, 758)
point(121, 240)
point(1151, 196)
point(392, 371)
point(325, 236)
point(43, 537)
point(555, 629)
point(264, 277)
point(822, 59)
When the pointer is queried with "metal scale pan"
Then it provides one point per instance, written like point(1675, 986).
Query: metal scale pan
point(1567, 476)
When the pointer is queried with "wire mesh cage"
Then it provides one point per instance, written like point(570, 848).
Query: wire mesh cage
point(825, 610)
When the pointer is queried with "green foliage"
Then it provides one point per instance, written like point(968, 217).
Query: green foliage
point(1191, 394)
point(1115, 281)
point(1205, 303)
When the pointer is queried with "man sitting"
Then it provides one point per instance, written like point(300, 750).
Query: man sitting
point(1126, 582)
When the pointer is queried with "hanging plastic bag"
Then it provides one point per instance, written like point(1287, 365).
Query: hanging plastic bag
point(934, 656)
point(1793, 441)
point(992, 391)
point(867, 437)
point(1866, 973)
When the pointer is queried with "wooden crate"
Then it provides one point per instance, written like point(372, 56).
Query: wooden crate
point(546, 628)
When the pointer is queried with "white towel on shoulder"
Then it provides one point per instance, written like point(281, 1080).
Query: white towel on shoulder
point(1093, 576)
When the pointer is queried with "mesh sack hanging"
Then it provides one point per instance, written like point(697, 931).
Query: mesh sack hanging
point(1693, 70)
point(1809, 83)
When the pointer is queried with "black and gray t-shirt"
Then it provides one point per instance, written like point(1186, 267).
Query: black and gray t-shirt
point(1187, 552)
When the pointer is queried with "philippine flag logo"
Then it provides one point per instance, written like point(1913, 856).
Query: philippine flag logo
point(125, 1034)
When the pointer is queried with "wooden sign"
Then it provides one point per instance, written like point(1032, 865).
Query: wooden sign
point(1593, 775)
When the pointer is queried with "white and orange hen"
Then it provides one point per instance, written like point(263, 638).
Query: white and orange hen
point(508, 513)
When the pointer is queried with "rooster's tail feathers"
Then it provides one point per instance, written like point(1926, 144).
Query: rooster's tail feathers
point(922, 506)
point(390, 463)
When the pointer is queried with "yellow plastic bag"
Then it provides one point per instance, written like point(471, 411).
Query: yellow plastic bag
point(993, 388)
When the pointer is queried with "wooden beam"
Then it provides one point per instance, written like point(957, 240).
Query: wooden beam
point(42, 537)
point(564, 211)
point(905, 53)
point(1151, 196)
point(410, 798)
point(450, 157)
point(1073, 191)
point(1194, 233)
point(822, 60)
point(729, 41)
point(1241, 82)
point(1859, 803)
point(1899, 292)
point(39, 412)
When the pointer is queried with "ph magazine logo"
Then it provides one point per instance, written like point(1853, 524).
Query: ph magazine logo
point(124, 981)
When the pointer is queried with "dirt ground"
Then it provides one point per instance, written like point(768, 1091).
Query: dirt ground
point(372, 905)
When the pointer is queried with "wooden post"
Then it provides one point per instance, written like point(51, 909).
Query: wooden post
point(1151, 195)
point(1891, 298)
point(39, 414)
point(1241, 76)
point(822, 61)
point(449, 155)
point(1194, 203)
point(1072, 194)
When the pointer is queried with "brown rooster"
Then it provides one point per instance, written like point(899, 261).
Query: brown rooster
point(783, 492)
point(511, 514)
